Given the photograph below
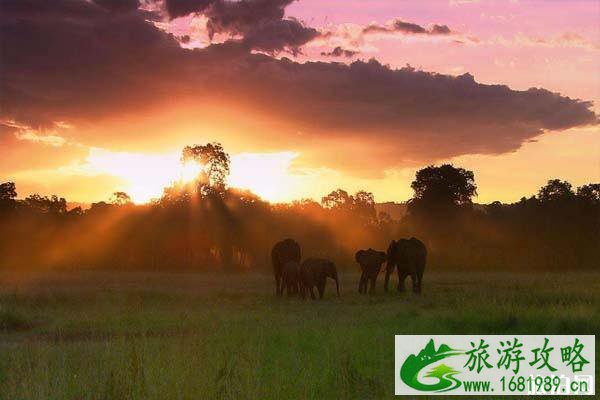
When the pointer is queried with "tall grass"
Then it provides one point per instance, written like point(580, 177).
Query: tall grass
point(187, 336)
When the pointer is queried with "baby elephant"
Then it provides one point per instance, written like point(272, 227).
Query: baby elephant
point(290, 278)
point(370, 263)
point(314, 272)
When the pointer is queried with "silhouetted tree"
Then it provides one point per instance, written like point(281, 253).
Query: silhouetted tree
point(120, 199)
point(8, 191)
point(590, 193)
point(556, 191)
point(230, 228)
point(46, 205)
point(360, 207)
point(215, 164)
point(364, 206)
point(445, 184)
point(306, 205)
point(338, 199)
point(8, 194)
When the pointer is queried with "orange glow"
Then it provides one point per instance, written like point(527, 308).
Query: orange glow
point(146, 175)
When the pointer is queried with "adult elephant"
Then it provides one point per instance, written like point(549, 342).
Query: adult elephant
point(409, 256)
point(314, 272)
point(370, 263)
point(290, 278)
point(283, 252)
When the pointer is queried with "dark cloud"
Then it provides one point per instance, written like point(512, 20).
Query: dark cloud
point(78, 63)
point(180, 8)
point(339, 52)
point(407, 28)
point(239, 17)
point(440, 30)
point(118, 5)
point(284, 34)
point(260, 23)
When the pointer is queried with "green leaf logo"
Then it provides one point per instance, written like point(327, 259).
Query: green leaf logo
point(409, 372)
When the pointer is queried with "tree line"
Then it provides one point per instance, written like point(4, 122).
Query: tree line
point(205, 225)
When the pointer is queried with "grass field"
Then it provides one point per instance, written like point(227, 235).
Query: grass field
point(96, 335)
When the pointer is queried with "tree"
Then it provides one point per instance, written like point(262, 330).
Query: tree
point(215, 165)
point(556, 190)
point(306, 205)
point(361, 206)
point(364, 205)
point(120, 199)
point(589, 193)
point(8, 192)
point(442, 188)
point(46, 205)
point(338, 199)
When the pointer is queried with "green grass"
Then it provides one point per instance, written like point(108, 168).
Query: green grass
point(190, 336)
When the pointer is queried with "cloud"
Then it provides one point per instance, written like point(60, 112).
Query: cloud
point(259, 23)
point(406, 28)
point(118, 5)
point(82, 64)
point(32, 136)
point(565, 39)
point(26, 133)
point(339, 52)
point(273, 36)
point(180, 8)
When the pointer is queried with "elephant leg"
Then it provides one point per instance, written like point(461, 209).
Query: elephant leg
point(420, 276)
point(362, 283)
point(415, 282)
point(401, 278)
point(278, 288)
point(321, 288)
point(388, 272)
point(372, 288)
point(312, 293)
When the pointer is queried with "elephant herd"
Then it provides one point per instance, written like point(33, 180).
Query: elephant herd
point(407, 256)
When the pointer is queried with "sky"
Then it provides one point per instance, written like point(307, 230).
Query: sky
point(307, 96)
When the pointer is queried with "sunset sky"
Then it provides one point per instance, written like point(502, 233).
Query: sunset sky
point(307, 96)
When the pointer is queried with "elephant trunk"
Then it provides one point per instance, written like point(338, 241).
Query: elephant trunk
point(337, 284)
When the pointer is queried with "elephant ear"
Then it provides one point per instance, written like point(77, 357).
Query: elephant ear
point(359, 256)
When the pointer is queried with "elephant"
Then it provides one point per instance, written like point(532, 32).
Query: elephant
point(314, 272)
point(290, 278)
point(283, 252)
point(370, 262)
point(410, 256)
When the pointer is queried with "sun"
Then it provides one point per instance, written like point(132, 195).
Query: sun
point(145, 176)
point(189, 171)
